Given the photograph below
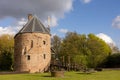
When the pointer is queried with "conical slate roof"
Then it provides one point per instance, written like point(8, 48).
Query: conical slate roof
point(34, 25)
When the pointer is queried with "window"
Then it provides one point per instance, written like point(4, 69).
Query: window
point(31, 43)
point(25, 50)
point(44, 55)
point(44, 42)
point(28, 57)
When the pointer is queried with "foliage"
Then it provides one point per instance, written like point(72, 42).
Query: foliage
point(84, 50)
point(56, 43)
point(115, 49)
point(81, 60)
point(6, 52)
point(112, 61)
point(99, 50)
point(6, 61)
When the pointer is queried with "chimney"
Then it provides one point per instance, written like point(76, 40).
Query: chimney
point(30, 16)
point(48, 24)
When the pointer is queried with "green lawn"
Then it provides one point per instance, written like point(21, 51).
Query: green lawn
point(104, 75)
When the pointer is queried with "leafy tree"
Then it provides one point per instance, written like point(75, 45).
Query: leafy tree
point(6, 60)
point(81, 50)
point(74, 46)
point(56, 43)
point(99, 50)
point(69, 46)
point(115, 49)
point(6, 52)
point(112, 61)
point(93, 49)
point(81, 61)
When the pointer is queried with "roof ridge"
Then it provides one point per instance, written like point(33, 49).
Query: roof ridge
point(33, 25)
point(25, 25)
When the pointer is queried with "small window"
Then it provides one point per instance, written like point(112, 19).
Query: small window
point(31, 43)
point(28, 57)
point(25, 50)
point(44, 55)
point(44, 42)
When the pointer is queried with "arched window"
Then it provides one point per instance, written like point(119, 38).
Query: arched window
point(31, 43)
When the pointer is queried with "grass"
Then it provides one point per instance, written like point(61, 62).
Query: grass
point(104, 75)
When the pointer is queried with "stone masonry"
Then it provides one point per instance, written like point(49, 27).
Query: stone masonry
point(32, 50)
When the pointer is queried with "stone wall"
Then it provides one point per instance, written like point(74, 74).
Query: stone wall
point(32, 52)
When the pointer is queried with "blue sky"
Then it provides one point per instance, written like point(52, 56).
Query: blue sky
point(81, 16)
point(95, 17)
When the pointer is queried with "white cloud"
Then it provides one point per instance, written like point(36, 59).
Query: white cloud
point(12, 30)
point(42, 8)
point(116, 22)
point(22, 22)
point(63, 30)
point(85, 1)
point(106, 38)
point(7, 30)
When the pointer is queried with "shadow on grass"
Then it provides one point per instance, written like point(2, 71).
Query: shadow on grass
point(47, 76)
point(43, 76)
point(38, 75)
point(84, 73)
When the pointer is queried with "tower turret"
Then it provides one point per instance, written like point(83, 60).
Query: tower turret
point(32, 47)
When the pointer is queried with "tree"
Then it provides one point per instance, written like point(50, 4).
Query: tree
point(91, 49)
point(55, 58)
point(74, 47)
point(56, 43)
point(6, 52)
point(99, 50)
point(112, 61)
point(69, 46)
point(115, 49)
point(81, 61)
point(81, 50)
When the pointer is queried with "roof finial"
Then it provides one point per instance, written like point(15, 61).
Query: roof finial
point(48, 21)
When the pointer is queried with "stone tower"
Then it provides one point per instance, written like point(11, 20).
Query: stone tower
point(32, 47)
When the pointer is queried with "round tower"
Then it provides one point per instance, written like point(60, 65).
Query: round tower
point(32, 51)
